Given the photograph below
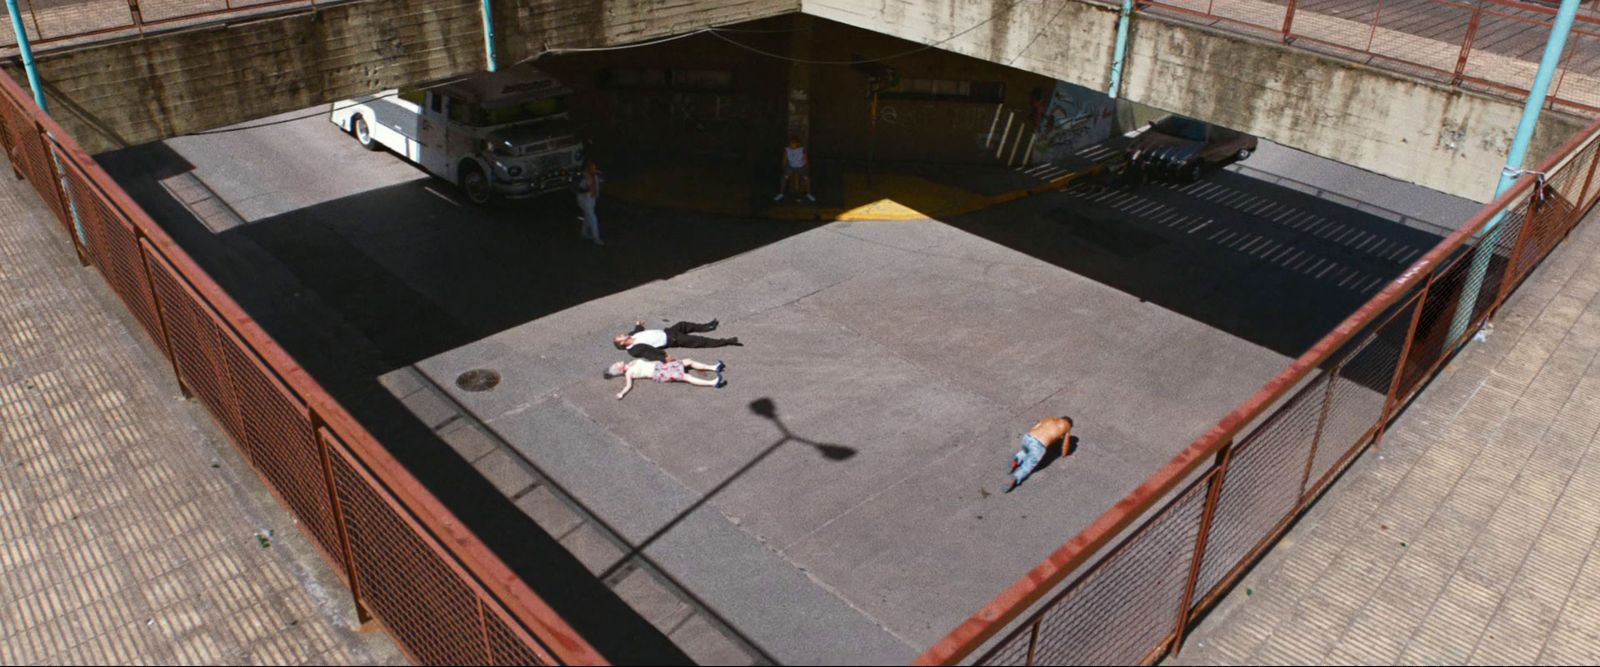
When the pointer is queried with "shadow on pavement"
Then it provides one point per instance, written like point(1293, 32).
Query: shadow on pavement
point(1262, 262)
point(349, 318)
point(767, 409)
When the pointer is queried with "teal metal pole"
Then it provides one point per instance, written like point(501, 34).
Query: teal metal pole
point(25, 49)
point(488, 33)
point(1514, 160)
point(1121, 54)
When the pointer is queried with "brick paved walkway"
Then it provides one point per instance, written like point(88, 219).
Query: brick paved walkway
point(1470, 537)
point(128, 524)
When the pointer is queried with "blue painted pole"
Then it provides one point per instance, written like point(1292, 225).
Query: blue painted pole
point(25, 48)
point(1121, 53)
point(1514, 160)
point(488, 33)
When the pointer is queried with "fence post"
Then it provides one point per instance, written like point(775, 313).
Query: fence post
point(1466, 43)
point(1555, 90)
point(1372, 35)
point(58, 179)
point(1288, 23)
point(324, 447)
point(161, 313)
point(1033, 639)
point(1588, 178)
point(1511, 273)
point(1316, 437)
point(1400, 365)
point(1213, 492)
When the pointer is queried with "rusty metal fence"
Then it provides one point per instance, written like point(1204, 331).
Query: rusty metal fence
point(65, 21)
point(1189, 531)
point(409, 563)
point(1488, 44)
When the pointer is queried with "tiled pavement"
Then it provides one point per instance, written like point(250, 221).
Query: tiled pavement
point(1470, 536)
point(130, 529)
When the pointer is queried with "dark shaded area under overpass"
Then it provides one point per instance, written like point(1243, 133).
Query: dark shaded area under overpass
point(1269, 264)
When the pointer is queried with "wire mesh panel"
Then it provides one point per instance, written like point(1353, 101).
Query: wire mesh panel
point(283, 446)
point(1263, 483)
point(1344, 24)
point(162, 10)
point(1434, 324)
point(119, 256)
point(1266, 15)
point(1507, 46)
point(31, 157)
point(509, 644)
point(49, 19)
point(1586, 163)
point(1360, 390)
point(1549, 216)
point(1577, 83)
point(1428, 33)
point(405, 579)
point(1123, 607)
point(195, 339)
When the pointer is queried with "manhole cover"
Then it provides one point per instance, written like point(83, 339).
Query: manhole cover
point(480, 379)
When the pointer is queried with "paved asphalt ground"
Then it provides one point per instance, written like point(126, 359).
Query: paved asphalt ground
point(921, 349)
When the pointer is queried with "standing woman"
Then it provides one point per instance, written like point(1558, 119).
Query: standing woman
point(588, 191)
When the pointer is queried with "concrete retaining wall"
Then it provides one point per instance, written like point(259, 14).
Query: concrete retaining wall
point(140, 90)
point(1414, 130)
point(1418, 131)
point(144, 89)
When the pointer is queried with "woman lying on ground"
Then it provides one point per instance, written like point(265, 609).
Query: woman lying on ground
point(671, 370)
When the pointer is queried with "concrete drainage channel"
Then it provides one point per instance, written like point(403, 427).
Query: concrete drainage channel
point(684, 620)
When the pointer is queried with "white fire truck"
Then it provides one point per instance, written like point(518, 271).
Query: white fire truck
point(502, 134)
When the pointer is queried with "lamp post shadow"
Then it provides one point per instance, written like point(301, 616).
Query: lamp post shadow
point(767, 409)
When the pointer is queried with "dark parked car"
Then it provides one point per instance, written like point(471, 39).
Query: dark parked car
point(1182, 148)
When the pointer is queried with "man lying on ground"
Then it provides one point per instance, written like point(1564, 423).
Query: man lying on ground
point(1049, 431)
point(648, 343)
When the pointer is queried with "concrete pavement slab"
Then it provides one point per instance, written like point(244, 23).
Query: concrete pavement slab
point(776, 605)
point(702, 549)
point(920, 349)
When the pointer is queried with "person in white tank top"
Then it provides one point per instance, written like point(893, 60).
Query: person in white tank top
point(796, 168)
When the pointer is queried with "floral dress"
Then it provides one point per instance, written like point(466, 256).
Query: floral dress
point(670, 372)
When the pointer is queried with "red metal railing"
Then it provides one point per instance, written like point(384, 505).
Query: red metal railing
point(1229, 496)
point(440, 592)
point(1490, 44)
point(57, 21)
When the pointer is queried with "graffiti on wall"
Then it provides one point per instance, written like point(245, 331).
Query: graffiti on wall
point(1071, 118)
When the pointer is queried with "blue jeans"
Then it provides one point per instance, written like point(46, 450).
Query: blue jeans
point(1028, 458)
point(591, 224)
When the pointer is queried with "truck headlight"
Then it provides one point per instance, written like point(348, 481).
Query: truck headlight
point(515, 171)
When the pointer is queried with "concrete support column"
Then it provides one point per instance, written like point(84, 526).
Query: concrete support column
point(801, 41)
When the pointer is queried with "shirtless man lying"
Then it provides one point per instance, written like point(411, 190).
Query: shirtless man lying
point(1049, 431)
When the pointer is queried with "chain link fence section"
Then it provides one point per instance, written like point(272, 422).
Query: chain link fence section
point(1124, 604)
point(75, 22)
point(1491, 45)
point(431, 583)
